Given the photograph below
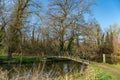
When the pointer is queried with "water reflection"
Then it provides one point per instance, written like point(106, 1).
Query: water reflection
point(45, 68)
point(61, 67)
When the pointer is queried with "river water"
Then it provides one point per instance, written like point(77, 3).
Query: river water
point(48, 68)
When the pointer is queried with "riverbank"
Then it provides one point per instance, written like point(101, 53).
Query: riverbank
point(113, 69)
point(19, 59)
point(28, 59)
point(92, 72)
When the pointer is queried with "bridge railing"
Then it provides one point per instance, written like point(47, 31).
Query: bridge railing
point(74, 56)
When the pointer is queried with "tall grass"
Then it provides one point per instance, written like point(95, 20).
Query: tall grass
point(37, 73)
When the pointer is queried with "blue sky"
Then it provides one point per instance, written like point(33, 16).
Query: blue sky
point(106, 12)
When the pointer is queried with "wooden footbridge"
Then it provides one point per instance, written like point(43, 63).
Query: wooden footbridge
point(73, 58)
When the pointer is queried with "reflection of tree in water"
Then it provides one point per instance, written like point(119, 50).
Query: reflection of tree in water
point(50, 68)
point(56, 69)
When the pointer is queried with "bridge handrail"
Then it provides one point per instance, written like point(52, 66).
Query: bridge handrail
point(74, 58)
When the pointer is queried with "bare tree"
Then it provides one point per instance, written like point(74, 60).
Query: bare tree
point(3, 23)
point(19, 16)
point(61, 14)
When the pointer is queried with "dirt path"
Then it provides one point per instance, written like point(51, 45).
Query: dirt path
point(110, 69)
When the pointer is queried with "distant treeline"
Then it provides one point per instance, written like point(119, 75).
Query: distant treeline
point(27, 28)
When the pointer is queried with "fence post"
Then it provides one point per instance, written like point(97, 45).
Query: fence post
point(104, 58)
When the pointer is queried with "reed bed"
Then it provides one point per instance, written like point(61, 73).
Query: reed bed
point(37, 73)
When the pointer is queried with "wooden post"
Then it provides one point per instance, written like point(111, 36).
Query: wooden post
point(104, 59)
point(82, 70)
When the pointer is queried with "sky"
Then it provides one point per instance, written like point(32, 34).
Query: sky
point(106, 12)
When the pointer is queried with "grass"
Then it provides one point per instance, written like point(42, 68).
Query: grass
point(117, 66)
point(91, 73)
point(18, 59)
point(104, 74)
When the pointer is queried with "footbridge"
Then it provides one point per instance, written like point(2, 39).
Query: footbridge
point(73, 58)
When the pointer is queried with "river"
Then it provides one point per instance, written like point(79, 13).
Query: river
point(49, 68)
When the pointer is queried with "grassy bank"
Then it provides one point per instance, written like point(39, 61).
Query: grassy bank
point(19, 59)
point(103, 74)
point(92, 73)
point(117, 66)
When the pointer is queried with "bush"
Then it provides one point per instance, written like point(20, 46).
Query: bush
point(104, 76)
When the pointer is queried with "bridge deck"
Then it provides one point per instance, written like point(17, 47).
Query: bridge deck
point(77, 59)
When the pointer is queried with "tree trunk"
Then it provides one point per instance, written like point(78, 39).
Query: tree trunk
point(77, 40)
point(70, 44)
point(9, 54)
point(61, 45)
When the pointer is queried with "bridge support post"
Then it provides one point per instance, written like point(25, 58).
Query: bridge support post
point(82, 70)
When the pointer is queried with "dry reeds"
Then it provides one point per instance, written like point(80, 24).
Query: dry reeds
point(37, 73)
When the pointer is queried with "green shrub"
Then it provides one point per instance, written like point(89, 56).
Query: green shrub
point(77, 75)
point(104, 76)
